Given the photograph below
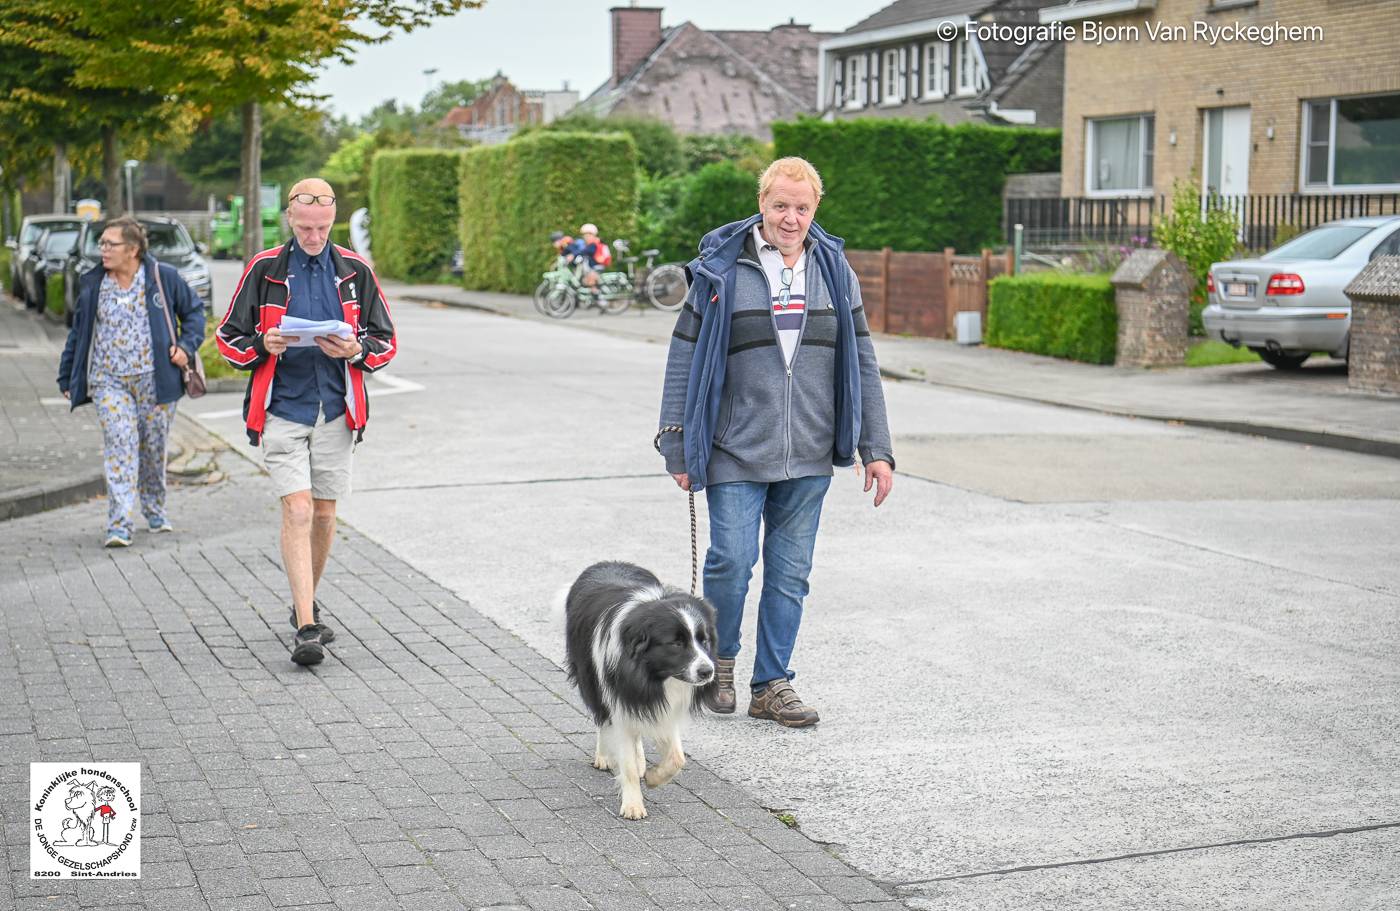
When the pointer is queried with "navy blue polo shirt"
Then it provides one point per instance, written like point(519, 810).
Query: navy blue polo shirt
point(308, 380)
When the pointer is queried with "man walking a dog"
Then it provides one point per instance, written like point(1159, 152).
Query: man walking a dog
point(306, 404)
point(772, 377)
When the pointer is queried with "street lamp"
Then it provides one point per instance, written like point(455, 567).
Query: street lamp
point(428, 75)
point(130, 167)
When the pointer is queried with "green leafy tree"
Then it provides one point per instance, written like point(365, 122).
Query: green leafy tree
point(223, 55)
point(1198, 240)
point(447, 95)
point(46, 101)
point(296, 141)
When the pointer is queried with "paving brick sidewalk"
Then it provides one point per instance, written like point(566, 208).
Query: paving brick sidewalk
point(47, 455)
point(432, 762)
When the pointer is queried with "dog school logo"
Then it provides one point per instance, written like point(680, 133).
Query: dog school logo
point(86, 820)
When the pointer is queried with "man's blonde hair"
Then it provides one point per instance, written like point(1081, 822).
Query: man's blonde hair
point(793, 168)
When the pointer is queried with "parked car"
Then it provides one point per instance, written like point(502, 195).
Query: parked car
point(29, 230)
point(1289, 302)
point(46, 257)
point(169, 242)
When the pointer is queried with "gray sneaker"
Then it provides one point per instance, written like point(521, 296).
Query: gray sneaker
point(306, 646)
point(779, 702)
point(720, 698)
point(327, 634)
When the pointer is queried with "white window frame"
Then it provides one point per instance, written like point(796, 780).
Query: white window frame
point(935, 75)
point(1305, 141)
point(964, 68)
point(889, 82)
point(1144, 152)
point(854, 90)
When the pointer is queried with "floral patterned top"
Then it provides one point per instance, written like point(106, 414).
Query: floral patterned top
point(122, 339)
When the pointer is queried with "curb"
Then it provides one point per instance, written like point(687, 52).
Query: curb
point(1364, 445)
point(26, 501)
point(459, 305)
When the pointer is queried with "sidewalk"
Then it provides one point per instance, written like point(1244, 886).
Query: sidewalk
point(1312, 406)
point(432, 762)
point(47, 458)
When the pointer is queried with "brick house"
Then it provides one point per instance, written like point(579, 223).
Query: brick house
point(1314, 112)
point(703, 82)
point(916, 58)
point(499, 111)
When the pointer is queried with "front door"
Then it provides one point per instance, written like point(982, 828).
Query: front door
point(1226, 158)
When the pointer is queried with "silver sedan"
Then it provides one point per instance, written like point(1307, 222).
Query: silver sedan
point(1289, 302)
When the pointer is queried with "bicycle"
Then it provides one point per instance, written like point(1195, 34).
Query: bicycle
point(664, 286)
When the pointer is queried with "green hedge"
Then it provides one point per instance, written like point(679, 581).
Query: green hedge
point(340, 233)
point(915, 185)
point(413, 201)
point(1070, 316)
point(514, 194)
point(678, 211)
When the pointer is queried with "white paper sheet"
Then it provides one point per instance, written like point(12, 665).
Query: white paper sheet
point(306, 330)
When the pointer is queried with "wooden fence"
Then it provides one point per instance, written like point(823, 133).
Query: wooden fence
point(920, 293)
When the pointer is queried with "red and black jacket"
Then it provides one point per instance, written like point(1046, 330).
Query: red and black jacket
point(260, 302)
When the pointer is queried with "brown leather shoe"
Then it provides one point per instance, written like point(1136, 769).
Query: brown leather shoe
point(780, 702)
point(721, 699)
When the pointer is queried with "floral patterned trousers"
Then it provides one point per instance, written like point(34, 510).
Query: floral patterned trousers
point(134, 433)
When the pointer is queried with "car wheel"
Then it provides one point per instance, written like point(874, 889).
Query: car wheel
point(1282, 360)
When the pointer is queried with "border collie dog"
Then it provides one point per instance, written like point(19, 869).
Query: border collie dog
point(641, 655)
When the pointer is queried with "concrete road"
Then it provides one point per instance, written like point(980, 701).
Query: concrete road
point(1066, 638)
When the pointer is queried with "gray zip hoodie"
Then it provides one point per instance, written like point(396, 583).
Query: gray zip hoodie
point(775, 422)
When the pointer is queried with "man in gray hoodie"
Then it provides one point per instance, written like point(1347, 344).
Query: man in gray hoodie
point(773, 379)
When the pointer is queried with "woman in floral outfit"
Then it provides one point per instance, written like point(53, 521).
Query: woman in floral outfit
point(120, 355)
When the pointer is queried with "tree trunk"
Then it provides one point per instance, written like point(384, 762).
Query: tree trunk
point(252, 179)
point(60, 178)
point(112, 172)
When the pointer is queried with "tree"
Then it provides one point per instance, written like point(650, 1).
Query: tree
point(223, 55)
point(46, 101)
point(448, 95)
point(296, 141)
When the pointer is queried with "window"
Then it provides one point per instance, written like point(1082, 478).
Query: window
point(855, 81)
point(1352, 142)
point(935, 69)
point(891, 80)
point(1388, 247)
point(966, 67)
point(1327, 242)
point(1118, 156)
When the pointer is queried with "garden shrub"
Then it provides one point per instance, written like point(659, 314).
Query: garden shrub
point(1069, 316)
point(413, 201)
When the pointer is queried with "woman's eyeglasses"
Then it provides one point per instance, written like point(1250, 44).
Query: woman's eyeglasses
point(306, 199)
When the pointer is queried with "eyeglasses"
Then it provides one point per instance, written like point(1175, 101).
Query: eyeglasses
point(785, 294)
point(112, 244)
point(306, 199)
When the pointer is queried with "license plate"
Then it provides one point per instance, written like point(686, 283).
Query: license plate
point(1239, 289)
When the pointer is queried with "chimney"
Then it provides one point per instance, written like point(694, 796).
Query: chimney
point(636, 31)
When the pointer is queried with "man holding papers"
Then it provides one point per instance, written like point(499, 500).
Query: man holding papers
point(309, 320)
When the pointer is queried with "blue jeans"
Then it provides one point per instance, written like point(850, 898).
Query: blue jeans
point(789, 512)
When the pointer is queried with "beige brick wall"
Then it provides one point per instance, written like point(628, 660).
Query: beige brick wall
point(1358, 54)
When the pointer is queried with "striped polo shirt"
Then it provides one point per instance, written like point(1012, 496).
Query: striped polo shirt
point(787, 316)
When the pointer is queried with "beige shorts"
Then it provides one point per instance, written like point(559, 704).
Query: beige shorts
point(317, 458)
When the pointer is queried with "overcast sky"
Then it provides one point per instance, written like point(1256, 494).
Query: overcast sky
point(540, 44)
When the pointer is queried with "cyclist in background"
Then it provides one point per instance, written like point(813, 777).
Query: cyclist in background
point(591, 254)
